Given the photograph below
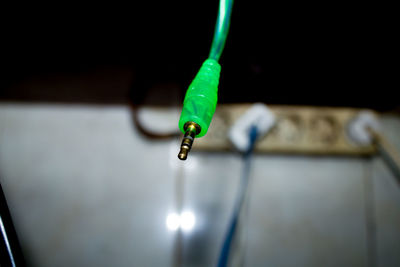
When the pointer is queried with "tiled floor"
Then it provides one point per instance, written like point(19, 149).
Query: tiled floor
point(85, 189)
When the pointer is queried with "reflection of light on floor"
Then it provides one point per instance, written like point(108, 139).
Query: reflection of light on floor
point(173, 221)
point(185, 221)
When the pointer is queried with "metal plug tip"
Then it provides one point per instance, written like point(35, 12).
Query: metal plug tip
point(183, 153)
point(191, 129)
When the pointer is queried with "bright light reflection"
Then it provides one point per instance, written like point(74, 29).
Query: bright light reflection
point(173, 221)
point(185, 221)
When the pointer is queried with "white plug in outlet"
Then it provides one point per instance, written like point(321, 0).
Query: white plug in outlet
point(257, 115)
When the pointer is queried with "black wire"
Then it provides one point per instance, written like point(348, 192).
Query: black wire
point(10, 249)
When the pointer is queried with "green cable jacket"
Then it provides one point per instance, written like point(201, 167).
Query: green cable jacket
point(201, 97)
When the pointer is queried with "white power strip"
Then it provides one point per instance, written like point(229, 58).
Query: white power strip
point(297, 129)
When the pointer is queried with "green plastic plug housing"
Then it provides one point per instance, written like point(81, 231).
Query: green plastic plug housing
point(201, 97)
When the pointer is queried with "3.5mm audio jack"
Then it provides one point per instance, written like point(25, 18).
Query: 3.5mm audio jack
point(191, 130)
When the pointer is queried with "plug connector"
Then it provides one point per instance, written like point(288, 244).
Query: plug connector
point(201, 97)
point(199, 105)
point(191, 129)
point(258, 115)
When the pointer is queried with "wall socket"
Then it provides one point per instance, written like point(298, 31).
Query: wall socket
point(298, 129)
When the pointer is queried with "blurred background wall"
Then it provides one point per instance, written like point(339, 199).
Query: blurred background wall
point(86, 189)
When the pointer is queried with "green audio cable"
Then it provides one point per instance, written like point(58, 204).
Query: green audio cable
point(221, 29)
point(201, 96)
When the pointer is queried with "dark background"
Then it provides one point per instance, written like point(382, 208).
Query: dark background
point(279, 53)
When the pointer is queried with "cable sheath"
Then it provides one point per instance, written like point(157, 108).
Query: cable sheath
point(230, 234)
point(221, 29)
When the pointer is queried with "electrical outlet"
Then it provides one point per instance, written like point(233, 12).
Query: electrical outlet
point(309, 130)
